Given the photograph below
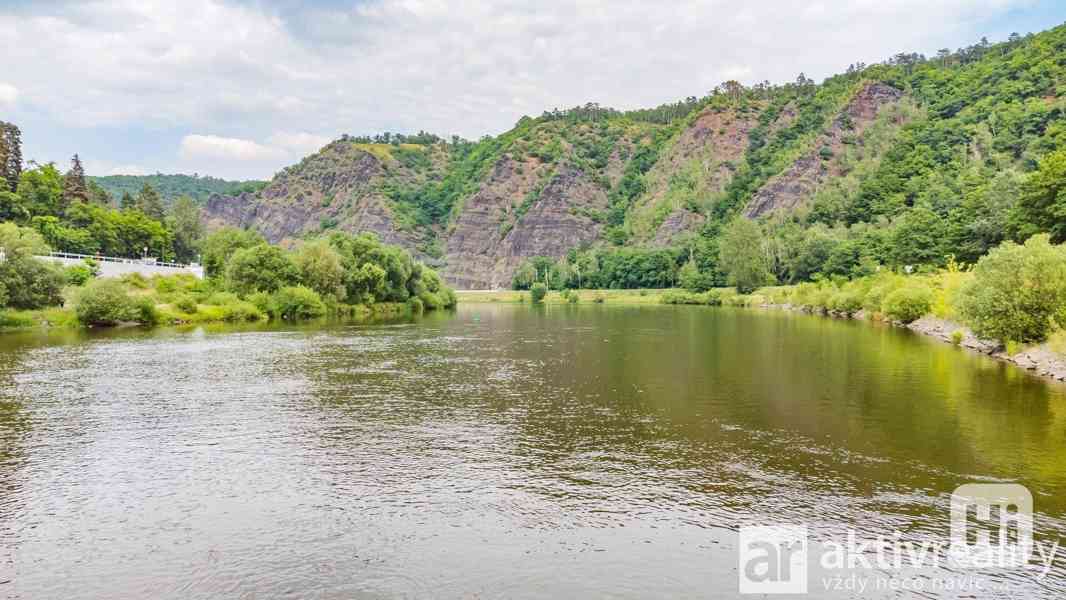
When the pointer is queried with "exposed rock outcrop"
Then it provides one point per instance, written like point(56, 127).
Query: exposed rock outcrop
point(490, 240)
point(702, 161)
point(679, 221)
point(337, 188)
point(792, 188)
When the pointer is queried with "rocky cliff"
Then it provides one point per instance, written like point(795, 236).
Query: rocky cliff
point(791, 188)
point(547, 187)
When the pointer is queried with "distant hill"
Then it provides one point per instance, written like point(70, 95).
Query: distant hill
point(909, 161)
point(172, 186)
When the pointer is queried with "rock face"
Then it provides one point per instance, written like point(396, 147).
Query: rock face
point(474, 242)
point(540, 190)
point(696, 167)
point(338, 188)
point(489, 241)
point(792, 188)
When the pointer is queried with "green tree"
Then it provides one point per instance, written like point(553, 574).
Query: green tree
point(218, 247)
point(1018, 293)
point(98, 195)
point(28, 282)
point(320, 269)
point(538, 292)
point(1044, 200)
point(75, 188)
point(524, 276)
point(12, 207)
point(918, 238)
point(184, 222)
point(10, 155)
point(742, 257)
point(150, 203)
point(367, 283)
point(262, 268)
point(127, 202)
point(41, 190)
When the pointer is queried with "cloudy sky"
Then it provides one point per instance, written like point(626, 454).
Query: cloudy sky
point(240, 88)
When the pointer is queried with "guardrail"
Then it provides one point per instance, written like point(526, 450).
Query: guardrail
point(126, 261)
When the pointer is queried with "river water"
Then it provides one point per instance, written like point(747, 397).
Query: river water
point(503, 451)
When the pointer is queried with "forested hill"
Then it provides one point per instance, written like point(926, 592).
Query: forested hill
point(913, 161)
point(171, 187)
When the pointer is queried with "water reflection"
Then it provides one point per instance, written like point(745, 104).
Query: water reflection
point(499, 451)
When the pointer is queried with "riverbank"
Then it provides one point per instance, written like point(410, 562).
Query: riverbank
point(583, 296)
point(1047, 359)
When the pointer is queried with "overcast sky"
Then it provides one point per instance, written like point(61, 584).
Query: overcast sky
point(241, 88)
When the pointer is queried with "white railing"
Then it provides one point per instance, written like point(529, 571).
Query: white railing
point(126, 261)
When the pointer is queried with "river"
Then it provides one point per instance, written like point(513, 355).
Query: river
point(501, 451)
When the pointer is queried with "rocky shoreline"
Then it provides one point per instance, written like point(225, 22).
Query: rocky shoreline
point(1039, 359)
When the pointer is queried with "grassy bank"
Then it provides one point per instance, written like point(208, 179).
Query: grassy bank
point(185, 300)
point(556, 297)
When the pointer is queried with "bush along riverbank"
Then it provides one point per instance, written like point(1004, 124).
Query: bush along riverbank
point(342, 276)
point(1010, 305)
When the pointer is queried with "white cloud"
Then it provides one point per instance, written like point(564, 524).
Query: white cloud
point(273, 69)
point(8, 94)
point(300, 143)
point(223, 148)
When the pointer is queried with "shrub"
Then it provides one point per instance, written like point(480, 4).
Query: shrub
point(185, 303)
point(32, 283)
point(135, 280)
point(164, 285)
point(1018, 293)
point(220, 298)
point(415, 304)
point(846, 301)
point(12, 319)
point(573, 298)
point(599, 298)
point(262, 268)
point(241, 311)
point(146, 311)
point(956, 337)
point(106, 302)
point(451, 299)
point(430, 300)
point(908, 303)
point(79, 275)
point(880, 286)
point(538, 292)
point(263, 302)
point(298, 302)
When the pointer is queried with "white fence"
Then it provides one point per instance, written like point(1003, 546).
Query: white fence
point(111, 266)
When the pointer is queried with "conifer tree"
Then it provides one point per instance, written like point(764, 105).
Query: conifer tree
point(10, 155)
point(150, 203)
point(127, 202)
point(75, 188)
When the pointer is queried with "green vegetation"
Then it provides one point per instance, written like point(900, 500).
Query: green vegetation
point(742, 258)
point(538, 292)
point(1017, 293)
point(340, 276)
point(173, 187)
point(108, 302)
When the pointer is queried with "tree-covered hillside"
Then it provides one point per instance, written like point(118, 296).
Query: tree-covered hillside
point(172, 187)
point(903, 163)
